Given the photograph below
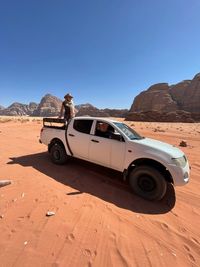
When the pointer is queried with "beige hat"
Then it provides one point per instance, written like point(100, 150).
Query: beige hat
point(68, 95)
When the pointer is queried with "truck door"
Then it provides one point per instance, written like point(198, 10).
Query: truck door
point(78, 136)
point(105, 150)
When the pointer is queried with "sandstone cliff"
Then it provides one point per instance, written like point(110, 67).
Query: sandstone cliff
point(161, 102)
point(49, 106)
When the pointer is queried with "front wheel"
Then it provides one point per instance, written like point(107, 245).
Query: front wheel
point(148, 182)
point(58, 154)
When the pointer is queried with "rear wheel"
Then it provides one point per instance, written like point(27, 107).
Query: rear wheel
point(148, 182)
point(58, 154)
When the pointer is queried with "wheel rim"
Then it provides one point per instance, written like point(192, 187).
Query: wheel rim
point(146, 183)
point(56, 155)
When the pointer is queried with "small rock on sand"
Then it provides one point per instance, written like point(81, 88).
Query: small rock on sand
point(50, 213)
point(183, 143)
point(4, 182)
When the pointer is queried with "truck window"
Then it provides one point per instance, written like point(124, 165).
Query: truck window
point(103, 129)
point(83, 126)
point(129, 132)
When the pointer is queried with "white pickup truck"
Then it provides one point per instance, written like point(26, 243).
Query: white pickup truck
point(148, 164)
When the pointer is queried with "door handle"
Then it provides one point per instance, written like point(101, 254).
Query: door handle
point(95, 141)
point(71, 135)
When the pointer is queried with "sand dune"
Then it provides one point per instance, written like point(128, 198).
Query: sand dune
point(97, 221)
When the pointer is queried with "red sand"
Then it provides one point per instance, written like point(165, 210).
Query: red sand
point(97, 221)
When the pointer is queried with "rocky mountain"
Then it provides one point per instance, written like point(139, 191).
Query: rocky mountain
point(162, 102)
point(118, 113)
point(50, 105)
point(1, 107)
point(88, 109)
point(18, 109)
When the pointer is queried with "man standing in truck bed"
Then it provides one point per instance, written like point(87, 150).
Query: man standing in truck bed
point(68, 108)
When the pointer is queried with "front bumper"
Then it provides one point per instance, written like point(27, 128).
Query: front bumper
point(180, 176)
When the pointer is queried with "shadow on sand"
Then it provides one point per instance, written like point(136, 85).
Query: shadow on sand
point(106, 184)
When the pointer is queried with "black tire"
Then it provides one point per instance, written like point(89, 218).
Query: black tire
point(58, 154)
point(148, 182)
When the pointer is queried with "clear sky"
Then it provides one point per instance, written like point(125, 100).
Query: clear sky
point(102, 51)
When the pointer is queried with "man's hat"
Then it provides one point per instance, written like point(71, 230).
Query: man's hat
point(68, 95)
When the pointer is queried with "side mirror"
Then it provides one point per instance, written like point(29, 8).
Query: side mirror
point(117, 136)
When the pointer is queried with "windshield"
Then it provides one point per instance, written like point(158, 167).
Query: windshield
point(129, 132)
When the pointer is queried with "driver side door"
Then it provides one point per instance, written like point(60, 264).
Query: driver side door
point(107, 151)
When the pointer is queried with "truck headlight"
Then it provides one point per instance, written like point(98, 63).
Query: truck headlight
point(180, 162)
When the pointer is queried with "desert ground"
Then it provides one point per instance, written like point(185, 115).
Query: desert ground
point(98, 221)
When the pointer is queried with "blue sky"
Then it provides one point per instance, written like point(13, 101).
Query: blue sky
point(102, 51)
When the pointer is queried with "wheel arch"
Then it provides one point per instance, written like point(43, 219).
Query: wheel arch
point(153, 163)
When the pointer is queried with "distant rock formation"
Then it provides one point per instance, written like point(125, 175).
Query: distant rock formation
point(1, 107)
point(32, 107)
point(161, 102)
point(49, 106)
point(118, 113)
point(18, 109)
point(88, 109)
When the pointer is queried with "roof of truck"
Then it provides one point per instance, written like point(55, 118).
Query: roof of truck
point(97, 118)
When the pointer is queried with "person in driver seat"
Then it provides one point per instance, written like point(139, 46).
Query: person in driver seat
point(104, 130)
